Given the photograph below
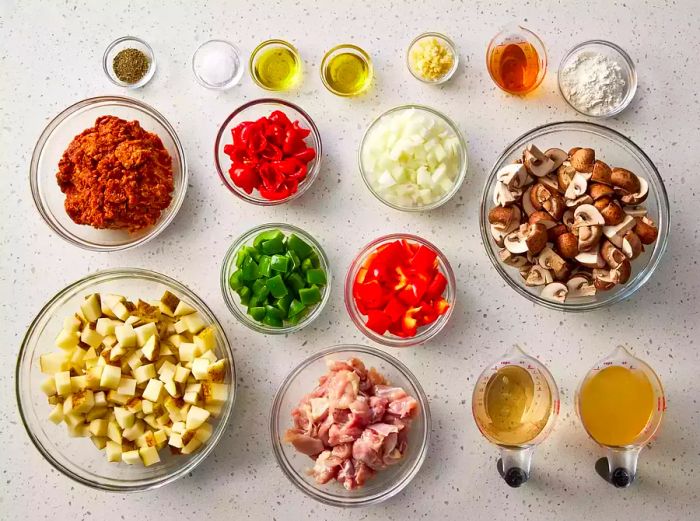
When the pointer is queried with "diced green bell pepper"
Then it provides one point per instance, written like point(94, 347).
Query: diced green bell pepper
point(273, 246)
point(267, 235)
point(279, 263)
point(249, 271)
point(245, 294)
point(310, 296)
point(306, 265)
point(283, 303)
point(296, 281)
point(299, 246)
point(234, 281)
point(264, 265)
point(276, 286)
point(295, 308)
point(297, 318)
point(258, 313)
point(260, 289)
point(272, 321)
point(316, 276)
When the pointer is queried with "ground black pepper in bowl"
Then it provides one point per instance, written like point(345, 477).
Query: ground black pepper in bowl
point(130, 65)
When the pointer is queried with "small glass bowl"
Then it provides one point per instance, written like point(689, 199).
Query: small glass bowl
point(77, 458)
point(233, 301)
point(616, 150)
point(54, 140)
point(271, 44)
point(426, 332)
point(615, 53)
point(128, 42)
point(225, 48)
point(351, 49)
point(252, 111)
point(463, 159)
point(444, 40)
point(515, 33)
point(386, 483)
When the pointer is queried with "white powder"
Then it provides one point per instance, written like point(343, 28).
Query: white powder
point(593, 83)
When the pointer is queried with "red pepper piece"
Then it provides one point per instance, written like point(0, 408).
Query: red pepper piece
point(244, 176)
point(371, 293)
point(293, 143)
point(402, 278)
point(280, 118)
point(412, 293)
point(424, 259)
point(437, 286)
point(378, 321)
point(302, 133)
point(272, 178)
point(426, 315)
point(409, 325)
point(272, 152)
point(395, 309)
point(441, 306)
point(293, 168)
point(274, 195)
point(275, 134)
point(306, 155)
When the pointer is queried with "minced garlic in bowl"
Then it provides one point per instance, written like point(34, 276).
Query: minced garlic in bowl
point(432, 58)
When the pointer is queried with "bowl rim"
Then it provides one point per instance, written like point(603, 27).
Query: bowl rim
point(289, 470)
point(662, 221)
point(355, 49)
point(115, 274)
point(48, 131)
point(235, 79)
point(228, 294)
point(464, 163)
point(431, 330)
point(450, 44)
point(151, 66)
point(310, 176)
point(631, 88)
point(273, 42)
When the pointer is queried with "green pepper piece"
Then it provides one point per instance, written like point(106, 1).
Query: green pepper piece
point(276, 286)
point(310, 296)
point(306, 265)
point(235, 281)
point(266, 236)
point(295, 308)
point(298, 246)
point(260, 290)
point(272, 321)
point(273, 246)
point(279, 263)
point(258, 313)
point(249, 271)
point(264, 265)
point(295, 260)
point(274, 312)
point(297, 318)
point(316, 276)
point(241, 256)
point(254, 254)
point(296, 281)
point(283, 303)
point(245, 294)
point(315, 261)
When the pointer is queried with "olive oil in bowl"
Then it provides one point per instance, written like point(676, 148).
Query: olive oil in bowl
point(275, 65)
point(346, 70)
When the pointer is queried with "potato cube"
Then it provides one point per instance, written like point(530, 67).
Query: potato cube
point(110, 377)
point(63, 385)
point(176, 340)
point(151, 348)
point(124, 418)
point(131, 457)
point(134, 361)
point(193, 322)
point(83, 401)
point(153, 390)
point(187, 351)
point(94, 376)
point(146, 440)
point(149, 455)
point(96, 413)
point(117, 352)
point(114, 433)
point(109, 341)
point(135, 404)
point(145, 332)
point(175, 440)
point(99, 427)
point(67, 340)
point(217, 371)
point(144, 373)
point(165, 350)
point(134, 431)
point(214, 393)
point(127, 386)
point(167, 371)
point(206, 339)
point(200, 368)
point(72, 323)
point(91, 308)
point(79, 383)
point(204, 432)
point(108, 301)
point(160, 437)
point(181, 374)
point(192, 445)
point(196, 416)
point(115, 398)
point(147, 406)
point(99, 441)
point(183, 309)
point(49, 386)
point(56, 414)
point(52, 363)
point(113, 451)
point(100, 399)
point(105, 326)
point(126, 335)
point(171, 388)
point(91, 337)
point(73, 420)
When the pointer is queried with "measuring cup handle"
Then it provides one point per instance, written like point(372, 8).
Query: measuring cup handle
point(516, 464)
point(622, 465)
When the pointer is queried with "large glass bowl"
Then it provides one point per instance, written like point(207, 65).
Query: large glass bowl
point(55, 139)
point(425, 333)
point(616, 150)
point(463, 162)
point(77, 458)
point(385, 483)
point(233, 300)
point(252, 111)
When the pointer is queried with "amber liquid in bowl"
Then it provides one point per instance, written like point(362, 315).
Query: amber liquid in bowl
point(515, 67)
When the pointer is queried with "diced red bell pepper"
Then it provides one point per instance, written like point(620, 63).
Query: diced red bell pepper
point(409, 325)
point(377, 321)
point(244, 176)
point(395, 309)
point(426, 315)
point(371, 294)
point(437, 286)
point(293, 143)
point(424, 259)
point(402, 278)
point(274, 195)
point(272, 152)
point(441, 306)
point(306, 155)
point(272, 178)
point(302, 133)
point(280, 118)
point(412, 293)
point(361, 274)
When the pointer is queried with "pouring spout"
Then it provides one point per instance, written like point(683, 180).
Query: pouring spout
point(516, 464)
point(622, 465)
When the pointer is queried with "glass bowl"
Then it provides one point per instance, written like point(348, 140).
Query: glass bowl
point(462, 152)
point(77, 458)
point(252, 111)
point(128, 42)
point(426, 332)
point(269, 45)
point(615, 53)
point(346, 48)
point(444, 40)
point(616, 150)
point(54, 140)
point(386, 483)
point(233, 300)
point(202, 58)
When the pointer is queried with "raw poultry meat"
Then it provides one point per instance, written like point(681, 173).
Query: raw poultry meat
point(353, 424)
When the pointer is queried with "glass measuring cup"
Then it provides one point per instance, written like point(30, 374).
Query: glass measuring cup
point(516, 60)
point(621, 403)
point(515, 404)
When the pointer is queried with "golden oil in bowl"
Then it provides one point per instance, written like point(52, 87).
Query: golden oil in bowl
point(346, 70)
point(275, 65)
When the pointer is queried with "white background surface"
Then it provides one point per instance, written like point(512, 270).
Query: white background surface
point(50, 57)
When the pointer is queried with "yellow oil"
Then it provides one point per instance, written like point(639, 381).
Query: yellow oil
point(512, 414)
point(277, 68)
point(347, 74)
point(616, 405)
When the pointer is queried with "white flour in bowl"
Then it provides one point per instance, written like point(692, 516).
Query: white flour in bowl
point(593, 83)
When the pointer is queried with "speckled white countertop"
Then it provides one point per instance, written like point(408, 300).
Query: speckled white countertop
point(50, 57)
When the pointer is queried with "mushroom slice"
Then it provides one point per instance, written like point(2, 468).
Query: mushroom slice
point(640, 196)
point(632, 245)
point(587, 215)
point(543, 218)
point(604, 279)
point(625, 180)
point(536, 162)
point(590, 259)
point(555, 206)
point(513, 175)
point(500, 235)
point(502, 217)
point(517, 261)
point(580, 285)
point(584, 199)
point(551, 183)
point(622, 272)
point(568, 219)
point(636, 211)
point(565, 173)
point(583, 159)
point(646, 230)
point(538, 276)
point(555, 291)
point(601, 173)
point(502, 196)
point(577, 187)
point(613, 256)
point(528, 238)
point(589, 237)
point(557, 155)
point(527, 203)
point(617, 232)
point(550, 260)
point(598, 190)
